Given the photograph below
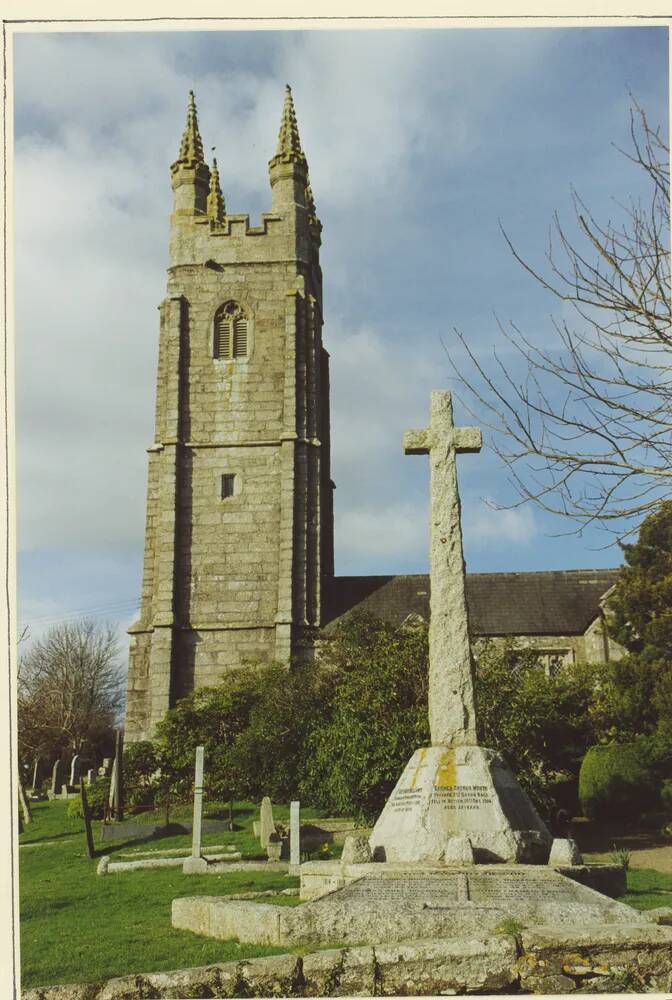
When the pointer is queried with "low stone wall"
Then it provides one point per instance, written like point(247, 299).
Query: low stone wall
point(540, 960)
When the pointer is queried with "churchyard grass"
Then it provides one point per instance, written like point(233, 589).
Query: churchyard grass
point(77, 926)
point(648, 889)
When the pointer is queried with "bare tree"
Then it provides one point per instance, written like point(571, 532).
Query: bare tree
point(586, 429)
point(69, 689)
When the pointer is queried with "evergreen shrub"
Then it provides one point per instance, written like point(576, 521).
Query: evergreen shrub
point(615, 782)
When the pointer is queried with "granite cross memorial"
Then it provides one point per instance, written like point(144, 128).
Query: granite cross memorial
point(455, 810)
point(453, 793)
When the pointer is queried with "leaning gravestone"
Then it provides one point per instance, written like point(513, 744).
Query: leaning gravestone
point(266, 824)
point(75, 770)
point(57, 777)
point(37, 773)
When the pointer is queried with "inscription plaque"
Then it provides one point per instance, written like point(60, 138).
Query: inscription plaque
point(508, 886)
point(409, 891)
point(461, 798)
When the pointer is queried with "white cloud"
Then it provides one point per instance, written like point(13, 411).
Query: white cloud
point(486, 527)
point(99, 118)
point(387, 535)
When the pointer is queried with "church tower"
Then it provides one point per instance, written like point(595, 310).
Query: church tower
point(239, 530)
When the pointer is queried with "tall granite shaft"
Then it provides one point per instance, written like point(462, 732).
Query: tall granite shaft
point(452, 717)
point(238, 540)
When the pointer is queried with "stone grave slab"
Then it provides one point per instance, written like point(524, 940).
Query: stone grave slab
point(462, 901)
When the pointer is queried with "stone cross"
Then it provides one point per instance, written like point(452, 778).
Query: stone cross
point(198, 804)
point(452, 720)
point(294, 835)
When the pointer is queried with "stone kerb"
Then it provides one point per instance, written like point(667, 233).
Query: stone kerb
point(588, 962)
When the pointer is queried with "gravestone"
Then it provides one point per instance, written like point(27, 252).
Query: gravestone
point(116, 798)
point(57, 777)
point(294, 836)
point(196, 863)
point(90, 776)
point(75, 770)
point(37, 773)
point(113, 785)
point(266, 824)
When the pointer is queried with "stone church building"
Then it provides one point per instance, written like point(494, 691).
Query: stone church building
point(239, 542)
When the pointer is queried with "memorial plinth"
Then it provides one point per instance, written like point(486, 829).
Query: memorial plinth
point(460, 791)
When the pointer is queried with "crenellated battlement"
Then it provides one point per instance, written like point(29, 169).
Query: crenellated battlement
point(202, 229)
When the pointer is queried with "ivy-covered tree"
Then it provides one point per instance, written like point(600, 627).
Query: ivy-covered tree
point(641, 620)
point(641, 604)
point(377, 719)
point(254, 726)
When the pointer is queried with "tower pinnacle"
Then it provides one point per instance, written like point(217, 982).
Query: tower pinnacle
point(191, 147)
point(216, 207)
point(289, 143)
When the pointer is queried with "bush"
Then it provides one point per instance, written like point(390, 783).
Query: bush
point(615, 783)
point(378, 717)
point(141, 775)
point(254, 726)
point(666, 796)
point(97, 796)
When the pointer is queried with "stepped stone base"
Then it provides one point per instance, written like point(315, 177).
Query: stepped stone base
point(468, 791)
point(318, 878)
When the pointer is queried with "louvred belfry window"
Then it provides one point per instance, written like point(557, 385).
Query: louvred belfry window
point(230, 340)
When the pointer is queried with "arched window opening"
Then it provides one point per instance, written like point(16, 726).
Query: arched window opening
point(230, 340)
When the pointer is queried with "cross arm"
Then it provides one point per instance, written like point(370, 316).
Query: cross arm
point(468, 439)
point(416, 442)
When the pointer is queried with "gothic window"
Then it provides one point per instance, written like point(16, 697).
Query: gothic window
point(230, 339)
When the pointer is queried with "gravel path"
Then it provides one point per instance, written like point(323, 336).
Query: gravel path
point(658, 858)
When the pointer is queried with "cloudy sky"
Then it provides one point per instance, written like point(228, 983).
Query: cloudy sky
point(419, 143)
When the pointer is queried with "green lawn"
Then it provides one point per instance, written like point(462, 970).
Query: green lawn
point(647, 889)
point(79, 927)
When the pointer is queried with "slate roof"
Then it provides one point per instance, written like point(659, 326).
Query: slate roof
point(554, 602)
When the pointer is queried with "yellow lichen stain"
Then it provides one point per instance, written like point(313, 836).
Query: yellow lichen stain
point(420, 764)
point(446, 772)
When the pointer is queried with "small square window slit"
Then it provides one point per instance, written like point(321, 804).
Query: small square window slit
point(228, 482)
